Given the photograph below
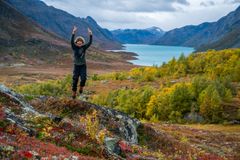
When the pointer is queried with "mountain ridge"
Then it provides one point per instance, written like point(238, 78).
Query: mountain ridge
point(202, 34)
point(20, 35)
point(138, 36)
point(61, 22)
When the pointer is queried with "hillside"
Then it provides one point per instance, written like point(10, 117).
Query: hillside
point(54, 128)
point(61, 22)
point(21, 37)
point(62, 128)
point(206, 33)
point(230, 40)
point(188, 110)
point(138, 36)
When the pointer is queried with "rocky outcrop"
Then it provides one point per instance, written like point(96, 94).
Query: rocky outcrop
point(123, 128)
point(127, 126)
point(20, 119)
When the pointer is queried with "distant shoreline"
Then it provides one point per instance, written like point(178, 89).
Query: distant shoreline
point(154, 55)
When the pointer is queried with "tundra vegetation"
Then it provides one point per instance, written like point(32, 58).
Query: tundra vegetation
point(203, 84)
point(170, 100)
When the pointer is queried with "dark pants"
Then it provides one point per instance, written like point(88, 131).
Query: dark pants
point(79, 71)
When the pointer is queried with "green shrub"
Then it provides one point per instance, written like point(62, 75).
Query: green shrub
point(48, 88)
point(158, 106)
point(119, 76)
point(209, 102)
point(130, 101)
point(180, 98)
point(175, 117)
point(95, 77)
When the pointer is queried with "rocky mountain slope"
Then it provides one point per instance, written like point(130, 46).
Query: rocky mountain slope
point(138, 36)
point(230, 40)
point(21, 35)
point(61, 22)
point(220, 34)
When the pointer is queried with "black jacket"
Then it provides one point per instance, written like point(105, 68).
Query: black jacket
point(79, 52)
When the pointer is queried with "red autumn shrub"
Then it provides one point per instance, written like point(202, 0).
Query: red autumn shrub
point(26, 154)
point(125, 147)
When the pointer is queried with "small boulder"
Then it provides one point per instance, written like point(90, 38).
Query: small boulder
point(193, 117)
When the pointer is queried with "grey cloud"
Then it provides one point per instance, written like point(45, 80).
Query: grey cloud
point(208, 3)
point(167, 14)
point(127, 5)
point(232, 1)
point(211, 3)
point(203, 4)
point(185, 2)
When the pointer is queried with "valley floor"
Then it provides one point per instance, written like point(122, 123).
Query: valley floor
point(21, 73)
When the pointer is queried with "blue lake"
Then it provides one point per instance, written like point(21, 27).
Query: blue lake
point(149, 55)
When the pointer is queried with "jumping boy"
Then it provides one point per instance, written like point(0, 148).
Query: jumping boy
point(79, 48)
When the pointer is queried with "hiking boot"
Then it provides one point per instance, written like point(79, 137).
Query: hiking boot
point(74, 94)
point(81, 90)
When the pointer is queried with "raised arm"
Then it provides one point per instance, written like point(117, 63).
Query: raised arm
point(90, 38)
point(73, 35)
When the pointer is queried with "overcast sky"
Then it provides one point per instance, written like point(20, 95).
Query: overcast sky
point(166, 14)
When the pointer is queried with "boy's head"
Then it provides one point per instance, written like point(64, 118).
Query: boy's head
point(79, 41)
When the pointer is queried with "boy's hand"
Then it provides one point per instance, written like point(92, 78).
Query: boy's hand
point(74, 30)
point(89, 31)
